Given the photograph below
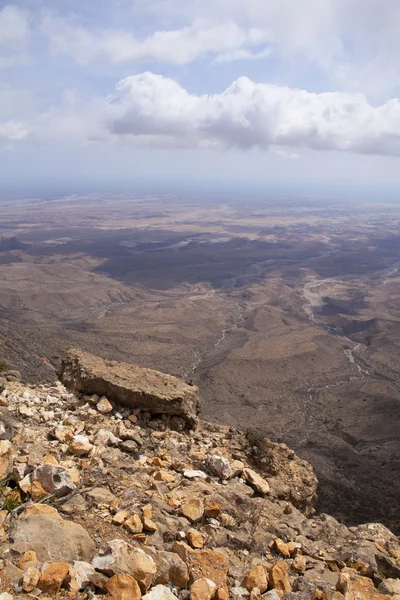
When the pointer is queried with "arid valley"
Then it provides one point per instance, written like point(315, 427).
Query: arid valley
point(285, 313)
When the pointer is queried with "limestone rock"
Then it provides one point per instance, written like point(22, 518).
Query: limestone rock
point(122, 587)
point(256, 578)
point(119, 557)
point(80, 445)
point(30, 578)
point(130, 385)
point(40, 528)
point(54, 480)
point(82, 571)
point(160, 592)
point(104, 406)
point(202, 589)
point(171, 569)
point(391, 587)
point(212, 510)
point(193, 509)
point(257, 482)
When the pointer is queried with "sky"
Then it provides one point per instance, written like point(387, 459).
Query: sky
point(112, 91)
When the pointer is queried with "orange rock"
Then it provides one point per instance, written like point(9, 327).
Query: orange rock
point(299, 563)
point(281, 548)
point(123, 587)
point(50, 460)
point(210, 564)
point(278, 577)
point(29, 556)
point(53, 576)
point(195, 538)
point(202, 589)
point(149, 525)
point(256, 578)
point(37, 491)
point(356, 587)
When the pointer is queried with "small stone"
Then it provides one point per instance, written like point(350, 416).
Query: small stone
point(255, 594)
point(129, 446)
point(160, 592)
point(104, 406)
point(149, 525)
point(29, 556)
point(81, 573)
point(120, 517)
point(6, 461)
point(281, 548)
point(219, 466)
point(54, 479)
point(193, 510)
point(299, 563)
point(195, 538)
point(193, 474)
point(52, 577)
point(123, 587)
point(134, 524)
point(256, 578)
point(257, 482)
point(227, 520)
point(202, 589)
point(101, 496)
point(76, 504)
point(30, 578)
point(278, 577)
point(80, 445)
point(212, 510)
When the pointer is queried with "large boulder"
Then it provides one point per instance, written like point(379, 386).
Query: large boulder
point(129, 385)
point(42, 529)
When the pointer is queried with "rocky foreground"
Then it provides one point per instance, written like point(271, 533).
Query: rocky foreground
point(129, 495)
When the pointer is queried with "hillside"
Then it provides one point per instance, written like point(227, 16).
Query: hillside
point(131, 496)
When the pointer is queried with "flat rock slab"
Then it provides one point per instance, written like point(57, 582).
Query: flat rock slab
point(130, 385)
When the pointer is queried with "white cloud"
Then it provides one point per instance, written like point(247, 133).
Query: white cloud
point(288, 155)
point(14, 35)
point(13, 130)
point(153, 110)
point(249, 114)
point(178, 46)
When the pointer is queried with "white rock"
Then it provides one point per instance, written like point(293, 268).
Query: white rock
point(159, 592)
point(191, 474)
point(82, 572)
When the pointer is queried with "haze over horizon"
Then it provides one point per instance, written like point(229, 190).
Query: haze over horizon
point(212, 92)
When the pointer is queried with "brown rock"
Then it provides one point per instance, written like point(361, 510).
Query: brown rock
point(256, 578)
point(29, 556)
point(195, 538)
point(210, 564)
point(143, 568)
point(184, 551)
point(119, 557)
point(257, 482)
point(120, 517)
point(255, 594)
point(355, 587)
point(52, 577)
point(123, 587)
point(278, 577)
point(149, 525)
point(299, 563)
point(202, 589)
point(134, 524)
point(171, 569)
point(130, 385)
point(281, 548)
point(193, 510)
point(212, 510)
point(80, 445)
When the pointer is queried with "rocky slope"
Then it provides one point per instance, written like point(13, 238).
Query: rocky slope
point(116, 498)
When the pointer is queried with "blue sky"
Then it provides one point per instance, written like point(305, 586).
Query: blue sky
point(206, 90)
